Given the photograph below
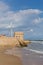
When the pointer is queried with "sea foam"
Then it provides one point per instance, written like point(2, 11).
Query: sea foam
point(36, 51)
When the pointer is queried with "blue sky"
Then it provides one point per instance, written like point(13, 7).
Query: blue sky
point(21, 4)
point(25, 15)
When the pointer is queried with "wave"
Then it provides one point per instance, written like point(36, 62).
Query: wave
point(36, 51)
point(40, 42)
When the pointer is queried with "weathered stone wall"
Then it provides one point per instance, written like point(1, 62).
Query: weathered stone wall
point(19, 35)
point(8, 41)
point(13, 41)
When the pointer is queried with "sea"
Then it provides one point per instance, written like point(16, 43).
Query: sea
point(36, 47)
point(30, 55)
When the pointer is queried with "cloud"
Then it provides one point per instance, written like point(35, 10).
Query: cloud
point(38, 20)
point(21, 18)
point(22, 14)
point(31, 30)
point(6, 16)
point(28, 20)
point(3, 7)
point(31, 11)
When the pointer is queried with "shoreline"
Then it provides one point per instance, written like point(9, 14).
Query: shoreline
point(7, 59)
point(27, 57)
point(19, 56)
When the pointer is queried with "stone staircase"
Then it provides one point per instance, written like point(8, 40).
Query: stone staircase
point(22, 43)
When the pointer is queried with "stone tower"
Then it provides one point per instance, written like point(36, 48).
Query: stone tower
point(19, 35)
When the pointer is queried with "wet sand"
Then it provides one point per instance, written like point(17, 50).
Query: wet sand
point(6, 59)
point(28, 58)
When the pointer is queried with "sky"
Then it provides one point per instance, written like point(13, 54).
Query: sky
point(24, 15)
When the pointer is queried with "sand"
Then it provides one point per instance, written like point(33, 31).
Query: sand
point(28, 57)
point(9, 59)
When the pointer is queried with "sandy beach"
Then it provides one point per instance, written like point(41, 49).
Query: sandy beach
point(19, 56)
point(6, 59)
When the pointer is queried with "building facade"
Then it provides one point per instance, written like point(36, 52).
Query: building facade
point(19, 35)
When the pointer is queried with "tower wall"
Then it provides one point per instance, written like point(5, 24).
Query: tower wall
point(19, 35)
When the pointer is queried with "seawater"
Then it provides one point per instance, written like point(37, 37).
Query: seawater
point(36, 46)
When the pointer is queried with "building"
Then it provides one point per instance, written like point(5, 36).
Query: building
point(19, 35)
point(17, 40)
